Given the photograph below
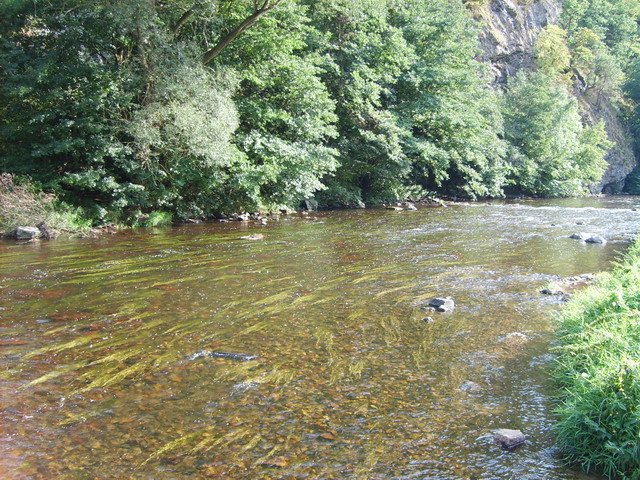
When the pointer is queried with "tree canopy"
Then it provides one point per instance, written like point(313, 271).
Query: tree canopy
point(199, 107)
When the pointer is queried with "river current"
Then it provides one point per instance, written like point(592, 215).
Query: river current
point(113, 350)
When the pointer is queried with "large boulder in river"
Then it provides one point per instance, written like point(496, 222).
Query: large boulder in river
point(581, 236)
point(443, 304)
point(27, 233)
point(509, 439)
point(596, 239)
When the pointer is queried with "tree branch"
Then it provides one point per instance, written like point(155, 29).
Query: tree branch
point(261, 8)
point(181, 21)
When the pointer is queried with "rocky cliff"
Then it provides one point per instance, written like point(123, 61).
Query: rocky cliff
point(510, 30)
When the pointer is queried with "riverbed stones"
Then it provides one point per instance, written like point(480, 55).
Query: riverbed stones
point(395, 208)
point(410, 207)
point(443, 305)
point(253, 238)
point(509, 439)
point(596, 239)
point(470, 387)
point(514, 339)
point(589, 238)
point(27, 233)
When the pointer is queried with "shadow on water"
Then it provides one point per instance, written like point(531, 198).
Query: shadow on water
point(99, 341)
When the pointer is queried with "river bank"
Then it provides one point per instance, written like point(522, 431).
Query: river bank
point(194, 352)
point(598, 373)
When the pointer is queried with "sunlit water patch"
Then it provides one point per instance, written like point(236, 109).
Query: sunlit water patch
point(190, 352)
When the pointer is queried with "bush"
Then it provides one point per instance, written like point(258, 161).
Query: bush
point(22, 205)
point(599, 374)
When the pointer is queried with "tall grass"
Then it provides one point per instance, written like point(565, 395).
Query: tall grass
point(22, 205)
point(599, 373)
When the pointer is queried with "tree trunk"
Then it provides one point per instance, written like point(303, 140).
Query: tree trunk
point(181, 21)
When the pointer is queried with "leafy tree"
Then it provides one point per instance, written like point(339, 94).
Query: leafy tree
point(595, 64)
point(552, 153)
point(551, 51)
point(286, 113)
point(446, 104)
point(366, 57)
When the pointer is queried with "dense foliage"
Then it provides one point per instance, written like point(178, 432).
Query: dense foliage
point(599, 373)
point(199, 107)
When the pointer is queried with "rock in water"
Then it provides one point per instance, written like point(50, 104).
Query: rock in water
point(44, 231)
point(509, 439)
point(443, 304)
point(238, 357)
point(27, 233)
point(596, 239)
point(254, 238)
point(581, 236)
point(470, 387)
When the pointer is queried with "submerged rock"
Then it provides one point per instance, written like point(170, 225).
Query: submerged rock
point(27, 233)
point(443, 304)
point(238, 357)
point(254, 237)
point(514, 339)
point(509, 439)
point(243, 387)
point(470, 387)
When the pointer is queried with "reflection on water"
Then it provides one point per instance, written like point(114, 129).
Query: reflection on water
point(97, 342)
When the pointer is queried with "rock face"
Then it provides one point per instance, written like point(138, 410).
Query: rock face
point(511, 28)
point(27, 233)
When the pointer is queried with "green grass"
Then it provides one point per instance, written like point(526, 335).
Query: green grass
point(599, 373)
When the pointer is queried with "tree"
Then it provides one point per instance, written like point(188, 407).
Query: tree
point(551, 51)
point(552, 153)
point(446, 104)
point(367, 56)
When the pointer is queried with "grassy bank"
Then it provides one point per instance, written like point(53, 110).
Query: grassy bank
point(21, 204)
point(599, 373)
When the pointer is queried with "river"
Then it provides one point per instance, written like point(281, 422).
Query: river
point(98, 337)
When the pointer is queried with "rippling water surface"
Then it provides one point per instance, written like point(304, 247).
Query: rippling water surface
point(96, 336)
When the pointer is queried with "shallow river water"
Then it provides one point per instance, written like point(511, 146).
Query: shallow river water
point(97, 339)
